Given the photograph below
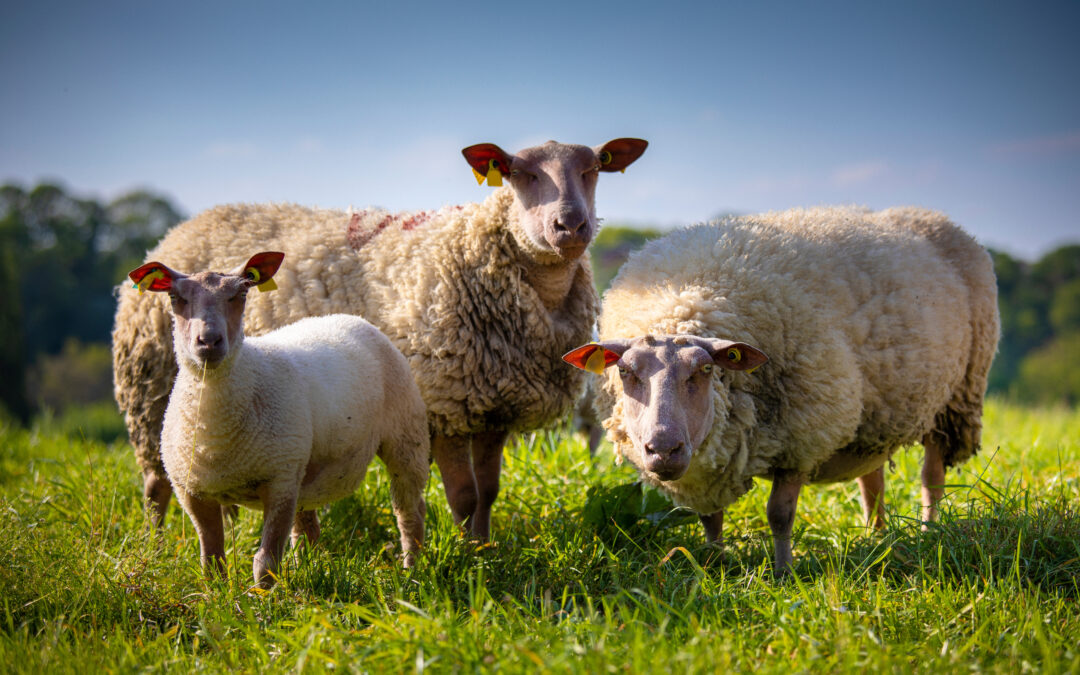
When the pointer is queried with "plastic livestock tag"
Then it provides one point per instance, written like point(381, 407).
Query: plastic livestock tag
point(596, 361)
point(494, 176)
point(268, 285)
point(479, 177)
point(149, 279)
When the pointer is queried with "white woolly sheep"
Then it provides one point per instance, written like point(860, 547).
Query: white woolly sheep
point(482, 299)
point(879, 329)
point(285, 422)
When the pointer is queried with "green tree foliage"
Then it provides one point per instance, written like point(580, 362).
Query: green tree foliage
point(62, 257)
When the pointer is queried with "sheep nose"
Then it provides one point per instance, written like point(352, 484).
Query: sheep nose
point(560, 226)
point(209, 339)
point(662, 449)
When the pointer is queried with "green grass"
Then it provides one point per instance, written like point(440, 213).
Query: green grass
point(86, 586)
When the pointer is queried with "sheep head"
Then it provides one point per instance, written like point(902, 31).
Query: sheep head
point(555, 187)
point(207, 307)
point(667, 385)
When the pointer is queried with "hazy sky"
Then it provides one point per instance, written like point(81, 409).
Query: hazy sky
point(968, 107)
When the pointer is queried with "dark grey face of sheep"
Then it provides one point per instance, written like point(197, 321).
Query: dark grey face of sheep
point(208, 308)
point(555, 186)
point(666, 391)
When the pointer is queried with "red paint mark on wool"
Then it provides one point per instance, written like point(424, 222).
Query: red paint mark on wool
point(358, 232)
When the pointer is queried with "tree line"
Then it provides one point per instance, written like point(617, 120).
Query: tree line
point(62, 257)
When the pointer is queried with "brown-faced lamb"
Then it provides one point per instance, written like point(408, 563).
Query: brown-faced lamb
point(879, 330)
point(284, 422)
point(483, 300)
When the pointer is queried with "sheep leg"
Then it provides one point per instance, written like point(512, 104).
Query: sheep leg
point(714, 527)
point(409, 472)
point(451, 454)
point(780, 512)
point(305, 529)
point(157, 490)
point(487, 449)
point(933, 477)
point(279, 512)
point(206, 517)
point(872, 489)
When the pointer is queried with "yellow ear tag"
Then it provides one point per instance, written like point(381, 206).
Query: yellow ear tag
point(734, 355)
point(265, 286)
point(596, 362)
point(605, 157)
point(494, 176)
point(145, 282)
point(479, 177)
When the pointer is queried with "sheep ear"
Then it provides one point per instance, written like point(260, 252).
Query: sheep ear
point(261, 268)
point(620, 153)
point(733, 355)
point(488, 161)
point(153, 276)
point(596, 356)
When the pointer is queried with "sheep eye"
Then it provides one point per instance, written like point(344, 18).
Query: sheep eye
point(176, 299)
point(515, 172)
point(623, 372)
point(707, 368)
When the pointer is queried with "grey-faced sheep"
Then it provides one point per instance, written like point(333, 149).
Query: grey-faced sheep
point(482, 299)
point(284, 422)
point(879, 329)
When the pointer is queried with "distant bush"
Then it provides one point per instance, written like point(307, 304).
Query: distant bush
point(79, 375)
point(100, 421)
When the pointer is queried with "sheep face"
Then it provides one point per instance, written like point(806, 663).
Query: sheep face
point(208, 313)
point(666, 392)
point(208, 308)
point(555, 188)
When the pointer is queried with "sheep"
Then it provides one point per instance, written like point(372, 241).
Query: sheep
point(483, 299)
point(287, 421)
point(803, 346)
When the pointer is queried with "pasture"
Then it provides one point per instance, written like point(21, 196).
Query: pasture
point(584, 573)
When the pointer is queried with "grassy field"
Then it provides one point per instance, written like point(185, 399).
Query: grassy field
point(585, 573)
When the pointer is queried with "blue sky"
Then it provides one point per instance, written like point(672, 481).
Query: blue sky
point(968, 107)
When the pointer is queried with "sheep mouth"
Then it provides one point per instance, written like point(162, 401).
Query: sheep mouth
point(668, 472)
point(210, 357)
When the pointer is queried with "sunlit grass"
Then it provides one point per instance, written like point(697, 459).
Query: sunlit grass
point(85, 584)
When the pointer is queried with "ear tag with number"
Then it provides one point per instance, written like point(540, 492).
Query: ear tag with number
point(494, 176)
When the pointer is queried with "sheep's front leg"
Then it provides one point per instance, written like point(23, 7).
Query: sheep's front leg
point(206, 517)
point(872, 489)
point(305, 530)
point(780, 512)
point(714, 527)
point(157, 490)
point(279, 511)
point(452, 455)
point(487, 455)
point(933, 477)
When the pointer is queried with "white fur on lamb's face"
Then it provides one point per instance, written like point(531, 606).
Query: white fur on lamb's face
point(208, 312)
point(555, 186)
point(667, 402)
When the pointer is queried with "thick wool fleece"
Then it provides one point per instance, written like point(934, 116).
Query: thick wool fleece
point(879, 326)
point(303, 409)
point(448, 287)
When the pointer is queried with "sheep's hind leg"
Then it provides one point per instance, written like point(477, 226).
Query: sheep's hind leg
point(206, 516)
point(872, 489)
point(780, 512)
point(409, 471)
point(279, 512)
point(452, 455)
point(933, 476)
point(487, 455)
